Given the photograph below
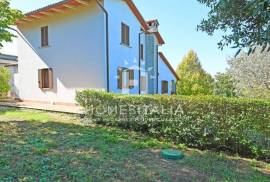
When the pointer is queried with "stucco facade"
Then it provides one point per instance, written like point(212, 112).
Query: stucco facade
point(122, 55)
point(165, 74)
point(75, 53)
point(85, 50)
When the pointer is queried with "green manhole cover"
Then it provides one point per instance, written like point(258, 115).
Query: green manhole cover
point(172, 154)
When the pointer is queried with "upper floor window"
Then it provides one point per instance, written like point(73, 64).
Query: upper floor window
point(125, 34)
point(141, 52)
point(44, 36)
point(45, 78)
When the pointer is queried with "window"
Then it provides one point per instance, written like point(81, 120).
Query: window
point(44, 36)
point(141, 52)
point(125, 78)
point(45, 78)
point(173, 86)
point(125, 34)
point(131, 78)
point(164, 87)
point(143, 83)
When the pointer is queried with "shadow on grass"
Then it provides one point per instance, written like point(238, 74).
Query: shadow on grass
point(4, 109)
point(51, 151)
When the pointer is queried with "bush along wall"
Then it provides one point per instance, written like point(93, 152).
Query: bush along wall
point(238, 126)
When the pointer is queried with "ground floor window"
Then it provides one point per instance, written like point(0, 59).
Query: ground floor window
point(45, 78)
point(143, 84)
point(125, 78)
point(173, 87)
point(164, 87)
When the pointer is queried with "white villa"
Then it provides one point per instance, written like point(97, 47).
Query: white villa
point(74, 45)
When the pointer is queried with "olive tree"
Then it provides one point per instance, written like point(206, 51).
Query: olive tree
point(224, 85)
point(245, 23)
point(251, 74)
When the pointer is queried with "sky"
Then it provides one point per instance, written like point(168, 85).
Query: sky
point(178, 21)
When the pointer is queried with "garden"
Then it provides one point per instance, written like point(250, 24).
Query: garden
point(220, 122)
point(44, 146)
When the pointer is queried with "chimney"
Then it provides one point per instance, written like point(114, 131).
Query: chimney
point(153, 26)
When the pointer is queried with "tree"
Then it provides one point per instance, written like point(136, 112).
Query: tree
point(246, 23)
point(251, 74)
point(8, 17)
point(224, 85)
point(193, 79)
point(4, 81)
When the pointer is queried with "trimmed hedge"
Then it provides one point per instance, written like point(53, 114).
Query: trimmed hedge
point(240, 126)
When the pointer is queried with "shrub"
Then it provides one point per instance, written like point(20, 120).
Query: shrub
point(239, 126)
point(4, 81)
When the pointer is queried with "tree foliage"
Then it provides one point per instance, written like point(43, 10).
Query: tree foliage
point(246, 23)
point(4, 81)
point(193, 79)
point(8, 18)
point(251, 74)
point(224, 85)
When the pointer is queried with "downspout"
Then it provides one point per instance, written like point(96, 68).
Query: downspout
point(157, 72)
point(107, 43)
point(140, 62)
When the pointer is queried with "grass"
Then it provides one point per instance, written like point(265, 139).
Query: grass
point(42, 146)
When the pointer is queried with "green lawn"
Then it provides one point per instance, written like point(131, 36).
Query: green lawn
point(41, 146)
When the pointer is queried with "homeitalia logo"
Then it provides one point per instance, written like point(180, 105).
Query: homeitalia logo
point(134, 110)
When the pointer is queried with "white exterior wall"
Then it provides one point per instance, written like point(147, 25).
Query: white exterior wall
point(76, 53)
point(165, 74)
point(121, 55)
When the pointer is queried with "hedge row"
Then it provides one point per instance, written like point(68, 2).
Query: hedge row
point(233, 125)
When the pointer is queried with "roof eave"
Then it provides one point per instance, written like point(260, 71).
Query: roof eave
point(160, 39)
point(137, 13)
point(165, 60)
point(58, 7)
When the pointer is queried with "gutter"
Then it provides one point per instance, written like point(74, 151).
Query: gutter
point(107, 43)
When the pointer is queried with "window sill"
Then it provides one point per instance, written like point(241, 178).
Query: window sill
point(126, 88)
point(46, 89)
point(44, 47)
point(125, 45)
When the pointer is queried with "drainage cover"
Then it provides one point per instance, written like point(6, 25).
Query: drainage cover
point(172, 154)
